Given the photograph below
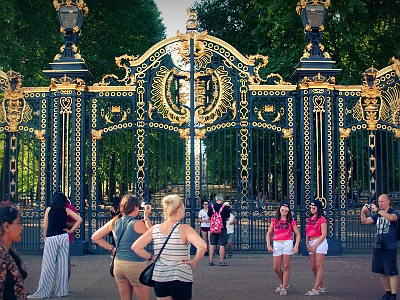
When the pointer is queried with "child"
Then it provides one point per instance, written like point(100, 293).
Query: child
point(283, 225)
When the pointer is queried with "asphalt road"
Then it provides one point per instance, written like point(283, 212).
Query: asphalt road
point(248, 276)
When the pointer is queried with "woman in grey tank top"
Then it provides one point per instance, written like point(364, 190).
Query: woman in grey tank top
point(126, 229)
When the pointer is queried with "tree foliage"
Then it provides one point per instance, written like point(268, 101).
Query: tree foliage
point(358, 33)
point(30, 35)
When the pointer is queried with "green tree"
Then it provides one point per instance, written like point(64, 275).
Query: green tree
point(30, 35)
point(357, 33)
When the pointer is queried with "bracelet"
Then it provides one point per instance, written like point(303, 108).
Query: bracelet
point(145, 219)
point(151, 256)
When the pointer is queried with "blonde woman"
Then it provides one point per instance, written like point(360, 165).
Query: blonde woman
point(127, 265)
point(172, 275)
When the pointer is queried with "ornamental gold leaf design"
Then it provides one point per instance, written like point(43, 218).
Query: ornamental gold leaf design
point(222, 101)
point(390, 106)
point(163, 104)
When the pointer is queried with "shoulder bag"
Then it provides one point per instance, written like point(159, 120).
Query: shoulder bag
point(115, 252)
point(145, 277)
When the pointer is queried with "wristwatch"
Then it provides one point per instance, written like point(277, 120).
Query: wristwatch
point(151, 256)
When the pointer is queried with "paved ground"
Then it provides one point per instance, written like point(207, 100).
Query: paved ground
point(248, 276)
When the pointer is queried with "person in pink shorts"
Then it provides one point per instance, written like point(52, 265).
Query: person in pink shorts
point(282, 227)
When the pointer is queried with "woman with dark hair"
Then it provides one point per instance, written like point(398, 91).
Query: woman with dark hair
point(317, 245)
point(126, 229)
point(283, 226)
point(56, 247)
point(11, 273)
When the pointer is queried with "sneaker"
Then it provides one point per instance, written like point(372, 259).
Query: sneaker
point(279, 288)
point(33, 296)
point(211, 264)
point(322, 290)
point(283, 292)
point(385, 297)
point(230, 255)
point(222, 264)
point(224, 256)
point(206, 254)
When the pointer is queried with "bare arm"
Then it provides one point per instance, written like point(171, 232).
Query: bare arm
point(268, 238)
point(76, 217)
point(298, 237)
point(364, 218)
point(194, 238)
point(46, 221)
point(139, 245)
point(98, 236)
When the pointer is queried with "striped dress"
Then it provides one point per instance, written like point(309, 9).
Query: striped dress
point(169, 266)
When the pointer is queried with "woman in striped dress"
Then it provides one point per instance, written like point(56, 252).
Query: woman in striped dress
point(56, 247)
point(172, 274)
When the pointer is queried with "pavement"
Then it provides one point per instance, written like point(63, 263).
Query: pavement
point(247, 276)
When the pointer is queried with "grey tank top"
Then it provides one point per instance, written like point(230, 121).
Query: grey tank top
point(124, 251)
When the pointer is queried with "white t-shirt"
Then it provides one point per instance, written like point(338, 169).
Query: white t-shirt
point(204, 216)
point(229, 227)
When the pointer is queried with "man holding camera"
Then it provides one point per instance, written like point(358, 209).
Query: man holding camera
point(384, 258)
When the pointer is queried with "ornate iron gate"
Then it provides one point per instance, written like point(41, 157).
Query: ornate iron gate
point(193, 116)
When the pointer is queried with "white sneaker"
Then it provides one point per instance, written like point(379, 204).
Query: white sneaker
point(33, 296)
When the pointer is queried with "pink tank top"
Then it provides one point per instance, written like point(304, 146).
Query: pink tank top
point(313, 226)
point(282, 231)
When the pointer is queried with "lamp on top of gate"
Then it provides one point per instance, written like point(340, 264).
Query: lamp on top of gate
point(71, 16)
point(69, 64)
point(312, 14)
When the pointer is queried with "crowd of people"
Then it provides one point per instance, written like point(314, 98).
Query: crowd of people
point(173, 277)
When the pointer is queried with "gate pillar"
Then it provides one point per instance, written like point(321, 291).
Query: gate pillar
point(316, 79)
point(69, 75)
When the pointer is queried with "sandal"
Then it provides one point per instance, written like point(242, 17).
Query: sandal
point(312, 293)
point(322, 290)
point(279, 288)
point(283, 292)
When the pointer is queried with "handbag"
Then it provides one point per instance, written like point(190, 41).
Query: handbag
point(115, 252)
point(145, 277)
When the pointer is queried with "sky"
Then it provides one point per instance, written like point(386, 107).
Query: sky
point(174, 14)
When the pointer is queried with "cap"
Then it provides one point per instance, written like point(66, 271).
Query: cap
point(6, 195)
point(317, 203)
point(284, 203)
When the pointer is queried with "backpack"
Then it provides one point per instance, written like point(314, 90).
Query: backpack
point(216, 224)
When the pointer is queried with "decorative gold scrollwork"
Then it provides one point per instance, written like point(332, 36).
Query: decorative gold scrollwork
point(14, 108)
point(79, 3)
point(303, 3)
point(287, 133)
point(40, 135)
point(192, 22)
point(370, 99)
point(65, 80)
point(199, 47)
point(344, 132)
point(396, 66)
point(97, 134)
